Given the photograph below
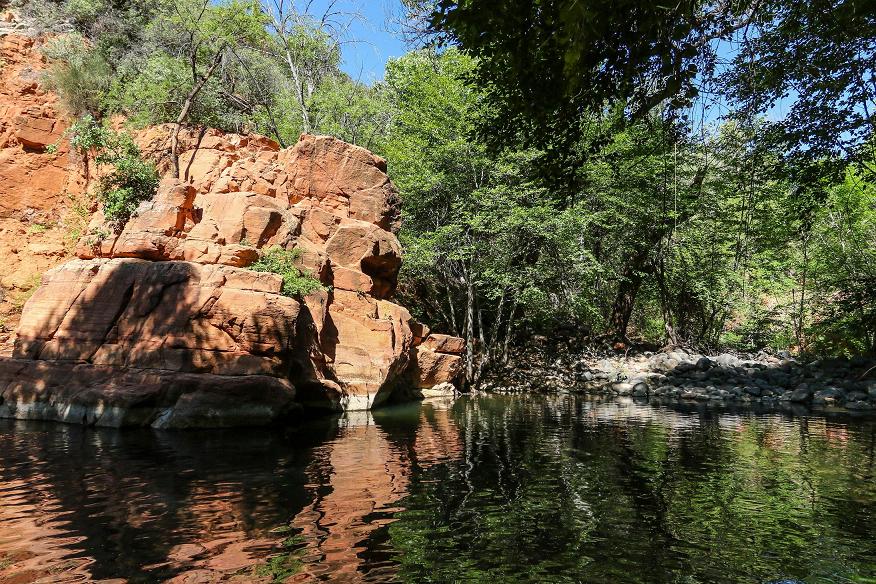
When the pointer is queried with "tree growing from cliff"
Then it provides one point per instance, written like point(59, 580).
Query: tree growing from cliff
point(206, 34)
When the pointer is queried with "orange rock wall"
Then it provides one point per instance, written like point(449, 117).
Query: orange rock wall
point(35, 187)
point(170, 291)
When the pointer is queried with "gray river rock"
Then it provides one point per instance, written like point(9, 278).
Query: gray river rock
point(764, 378)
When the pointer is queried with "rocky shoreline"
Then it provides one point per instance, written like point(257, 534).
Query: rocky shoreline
point(680, 375)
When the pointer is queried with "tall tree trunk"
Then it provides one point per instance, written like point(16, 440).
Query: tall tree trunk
point(494, 333)
point(665, 310)
point(628, 289)
point(508, 330)
point(469, 330)
point(484, 353)
point(450, 305)
point(488, 346)
point(187, 108)
point(801, 311)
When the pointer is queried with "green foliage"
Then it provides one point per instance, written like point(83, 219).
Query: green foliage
point(354, 113)
point(82, 77)
point(813, 56)
point(548, 177)
point(131, 179)
point(96, 236)
point(277, 73)
point(489, 250)
point(154, 93)
point(655, 233)
point(844, 268)
point(547, 64)
point(296, 282)
point(552, 63)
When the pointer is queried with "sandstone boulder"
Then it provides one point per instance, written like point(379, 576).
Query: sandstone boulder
point(174, 316)
point(330, 199)
point(438, 360)
point(82, 393)
point(161, 323)
point(169, 294)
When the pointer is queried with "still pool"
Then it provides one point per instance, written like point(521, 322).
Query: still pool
point(483, 489)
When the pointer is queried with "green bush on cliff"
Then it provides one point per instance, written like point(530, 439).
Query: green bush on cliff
point(131, 179)
point(80, 76)
point(296, 282)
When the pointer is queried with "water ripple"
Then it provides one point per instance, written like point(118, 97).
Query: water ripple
point(499, 489)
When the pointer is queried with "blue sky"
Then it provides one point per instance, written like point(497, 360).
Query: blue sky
point(376, 38)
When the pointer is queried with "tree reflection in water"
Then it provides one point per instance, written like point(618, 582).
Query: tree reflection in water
point(493, 489)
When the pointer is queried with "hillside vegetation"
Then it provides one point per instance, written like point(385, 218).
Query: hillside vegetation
point(699, 175)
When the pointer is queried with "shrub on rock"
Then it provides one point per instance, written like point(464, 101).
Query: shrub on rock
point(296, 282)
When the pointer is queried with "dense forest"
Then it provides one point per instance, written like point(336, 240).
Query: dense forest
point(701, 174)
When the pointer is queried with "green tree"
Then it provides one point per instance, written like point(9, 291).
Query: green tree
point(844, 267)
point(488, 250)
point(549, 64)
point(126, 179)
point(308, 45)
point(352, 111)
point(206, 33)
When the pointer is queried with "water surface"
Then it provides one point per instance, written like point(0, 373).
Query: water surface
point(484, 489)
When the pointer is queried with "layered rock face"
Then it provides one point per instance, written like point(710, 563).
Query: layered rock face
point(169, 297)
point(35, 187)
point(29, 121)
point(163, 324)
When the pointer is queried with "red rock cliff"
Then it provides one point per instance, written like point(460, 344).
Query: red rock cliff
point(35, 188)
point(162, 323)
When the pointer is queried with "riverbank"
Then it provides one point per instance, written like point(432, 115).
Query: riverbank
point(685, 375)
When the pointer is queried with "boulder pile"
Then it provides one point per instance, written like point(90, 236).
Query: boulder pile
point(764, 379)
point(681, 375)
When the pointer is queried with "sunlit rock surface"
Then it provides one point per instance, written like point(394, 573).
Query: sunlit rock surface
point(36, 188)
point(170, 293)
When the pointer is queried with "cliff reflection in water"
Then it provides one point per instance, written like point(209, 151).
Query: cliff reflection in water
point(492, 489)
point(357, 482)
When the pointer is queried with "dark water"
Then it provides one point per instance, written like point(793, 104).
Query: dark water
point(492, 489)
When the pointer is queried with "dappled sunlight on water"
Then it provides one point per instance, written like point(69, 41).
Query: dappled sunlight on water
point(493, 489)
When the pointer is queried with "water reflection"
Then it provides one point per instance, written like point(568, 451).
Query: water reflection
point(492, 489)
point(368, 469)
